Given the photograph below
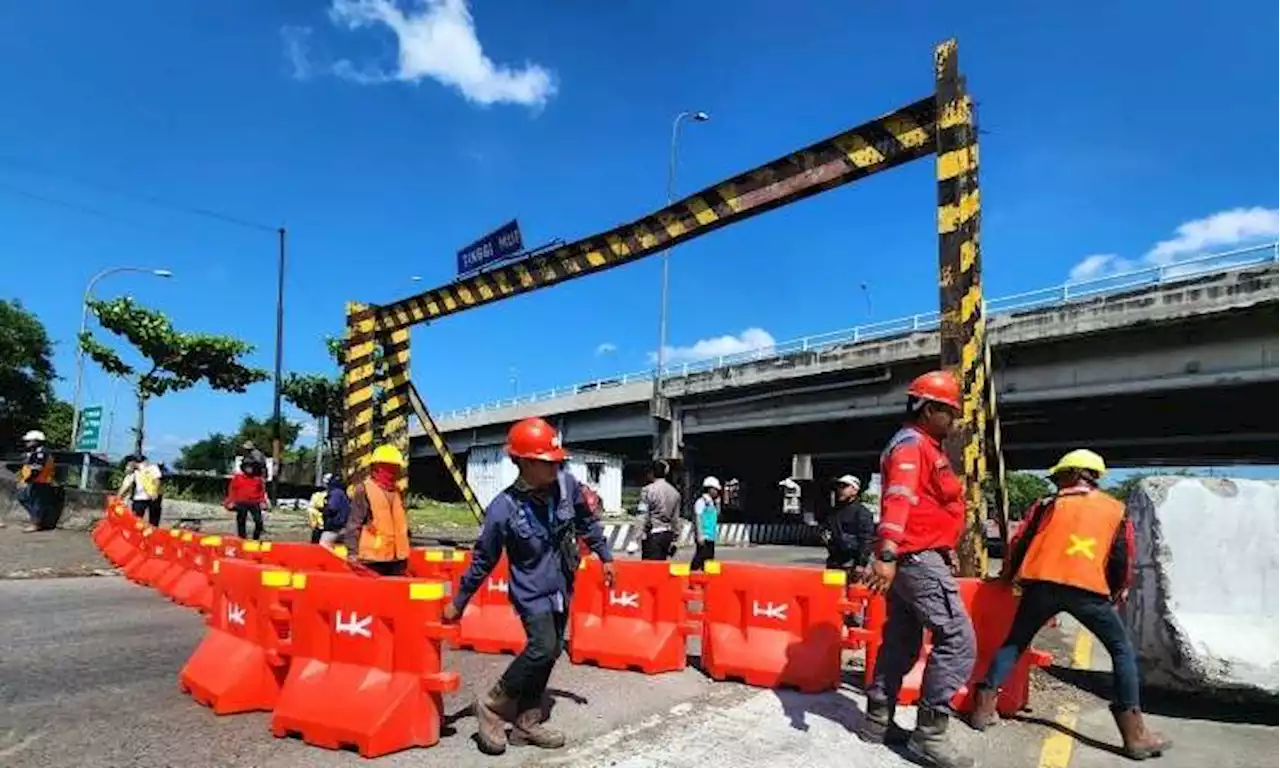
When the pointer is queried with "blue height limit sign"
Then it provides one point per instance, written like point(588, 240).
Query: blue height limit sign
point(499, 244)
point(90, 437)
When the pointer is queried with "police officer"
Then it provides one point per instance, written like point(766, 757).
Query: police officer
point(921, 520)
point(660, 505)
point(1075, 555)
point(535, 522)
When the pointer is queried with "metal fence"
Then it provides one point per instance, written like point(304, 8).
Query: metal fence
point(1058, 295)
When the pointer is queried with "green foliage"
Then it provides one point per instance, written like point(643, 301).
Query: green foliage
point(312, 393)
point(213, 454)
point(26, 372)
point(56, 422)
point(1024, 489)
point(261, 432)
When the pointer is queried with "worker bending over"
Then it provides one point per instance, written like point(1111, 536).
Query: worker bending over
point(536, 522)
point(1075, 555)
point(921, 519)
point(377, 530)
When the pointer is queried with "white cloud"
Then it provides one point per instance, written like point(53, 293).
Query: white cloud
point(1222, 230)
point(437, 39)
point(297, 51)
point(749, 340)
point(606, 348)
point(308, 428)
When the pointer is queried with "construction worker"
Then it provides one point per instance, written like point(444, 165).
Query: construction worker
point(1075, 555)
point(247, 497)
point(249, 454)
point(334, 511)
point(706, 521)
point(142, 485)
point(35, 481)
point(660, 505)
point(850, 529)
point(535, 522)
point(921, 519)
point(377, 530)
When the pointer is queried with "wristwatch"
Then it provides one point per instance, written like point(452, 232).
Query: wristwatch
point(887, 556)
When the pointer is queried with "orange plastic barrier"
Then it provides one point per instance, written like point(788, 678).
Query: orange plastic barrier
point(252, 550)
point(160, 546)
point(438, 564)
point(303, 557)
point(143, 554)
point(109, 526)
point(123, 547)
point(772, 626)
point(241, 663)
point(193, 588)
point(178, 553)
point(365, 651)
point(638, 624)
point(490, 623)
point(991, 605)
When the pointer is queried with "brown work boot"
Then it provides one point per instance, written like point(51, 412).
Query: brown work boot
point(984, 714)
point(1139, 743)
point(878, 726)
point(929, 743)
point(529, 729)
point(493, 712)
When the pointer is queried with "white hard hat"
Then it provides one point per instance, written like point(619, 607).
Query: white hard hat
point(633, 547)
point(848, 480)
point(34, 436)
point(711, 482)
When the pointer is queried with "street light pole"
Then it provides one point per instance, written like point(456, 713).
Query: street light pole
point(275, 407)
point(700, 117)
point(84, 324)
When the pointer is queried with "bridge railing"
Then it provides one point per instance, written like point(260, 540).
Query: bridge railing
point(1057, 295)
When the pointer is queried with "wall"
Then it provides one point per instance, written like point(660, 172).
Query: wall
point(489, 472)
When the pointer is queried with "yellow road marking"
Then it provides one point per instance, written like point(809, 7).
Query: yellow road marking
point(1055, 751)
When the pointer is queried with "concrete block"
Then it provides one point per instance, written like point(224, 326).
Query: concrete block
point(1203, 608)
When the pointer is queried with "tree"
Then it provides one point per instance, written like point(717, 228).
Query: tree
point(261, 432)
point(317, 395)
point(175, 360)
point(26, 372)
point(1024, 488)
point(56, 422)
point(214, 453)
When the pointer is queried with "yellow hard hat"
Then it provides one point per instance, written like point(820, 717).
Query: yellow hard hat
point(388, 454)
point(1081, 458)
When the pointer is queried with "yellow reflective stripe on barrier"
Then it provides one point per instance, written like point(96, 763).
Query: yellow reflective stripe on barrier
point(679, 569)
point(340, 551)
point(433, 556)
point(429, 590)
point(187, 536)
point(276, 578)
point(251, 546)
point(211, 541)
point(835, 578)
point(266, 546)
point(217, 565)
point(299, 581)
point(711, 567)
point(139, 525)
point(459, 556)
point(174, 532)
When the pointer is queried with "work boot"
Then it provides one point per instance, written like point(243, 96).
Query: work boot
point(930, 745)
point(984, 714)
point(878, 726)
point(493, 711)
point(1139, 743)
point(530, 730)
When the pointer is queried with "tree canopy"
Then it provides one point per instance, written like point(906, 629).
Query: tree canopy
point(175, 360)
point(26, 373)
point(216, 452)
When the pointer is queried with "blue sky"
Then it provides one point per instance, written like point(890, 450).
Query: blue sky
point(386, 137)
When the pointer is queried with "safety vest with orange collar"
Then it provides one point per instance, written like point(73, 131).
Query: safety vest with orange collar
point(37, 467)
point(1071, 545)
point(385, 534)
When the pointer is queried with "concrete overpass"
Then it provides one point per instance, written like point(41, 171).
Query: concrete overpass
point(1180, 370)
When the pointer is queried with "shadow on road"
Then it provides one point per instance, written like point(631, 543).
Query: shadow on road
point(1241, 709)
point(1076, 735)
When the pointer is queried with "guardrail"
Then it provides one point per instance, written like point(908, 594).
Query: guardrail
point(1057, 295)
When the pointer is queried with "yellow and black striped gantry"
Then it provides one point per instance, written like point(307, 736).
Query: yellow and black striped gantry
point(941, 124)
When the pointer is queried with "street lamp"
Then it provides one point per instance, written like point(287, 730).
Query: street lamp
point(697, 117)
point(84, 321)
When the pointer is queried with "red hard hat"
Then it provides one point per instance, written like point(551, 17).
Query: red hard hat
point(535, 439)
point(938, 386)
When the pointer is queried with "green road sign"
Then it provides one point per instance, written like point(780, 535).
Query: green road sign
point(90, 429)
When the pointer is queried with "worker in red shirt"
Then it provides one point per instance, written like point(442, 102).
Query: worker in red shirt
point(921, 519)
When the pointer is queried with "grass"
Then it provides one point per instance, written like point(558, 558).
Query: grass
point(429, 513)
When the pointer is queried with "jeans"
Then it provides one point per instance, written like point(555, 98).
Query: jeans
point(526, 679)
point(657, 546)
point(150, 510)
point(242, 512)
point(35, 498)
point(924, 595)
point(1041, 601)
point(706, 551)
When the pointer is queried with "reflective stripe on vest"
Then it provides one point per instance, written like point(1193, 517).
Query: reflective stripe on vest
point(385, 535)
point(1074, 541)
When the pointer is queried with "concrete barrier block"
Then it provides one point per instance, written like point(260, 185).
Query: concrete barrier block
point(1203, 608)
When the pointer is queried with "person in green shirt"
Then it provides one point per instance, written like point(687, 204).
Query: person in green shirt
point(706, 521)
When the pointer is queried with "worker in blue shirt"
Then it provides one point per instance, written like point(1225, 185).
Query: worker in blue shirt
point(536, 522)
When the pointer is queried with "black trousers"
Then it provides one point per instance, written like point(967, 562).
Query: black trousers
point(526, 679)
point(706, 551)
point(243, 511)
point(148, 509)
point(387, 567)
point(315, 535)
point(657, 546)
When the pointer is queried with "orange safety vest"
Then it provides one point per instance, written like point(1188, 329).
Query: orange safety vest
point(42, 477)
point(1074, 541)
point(385, 535)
